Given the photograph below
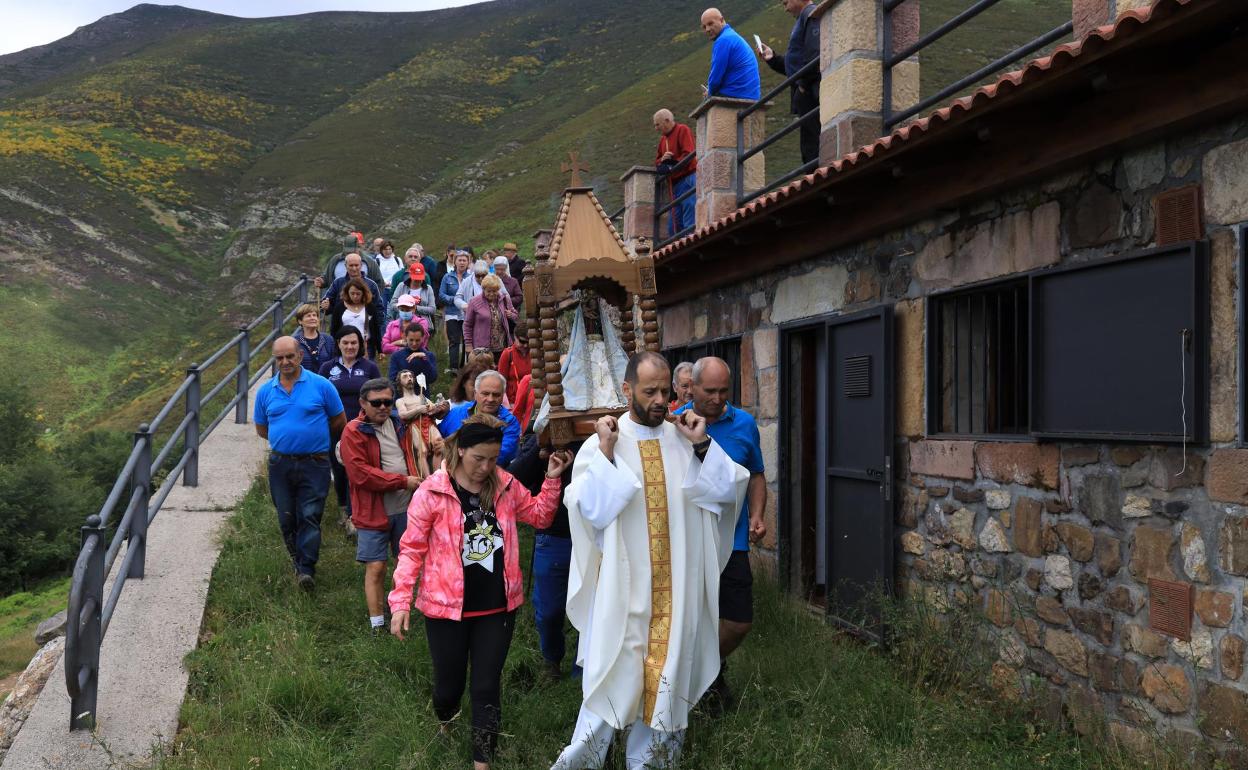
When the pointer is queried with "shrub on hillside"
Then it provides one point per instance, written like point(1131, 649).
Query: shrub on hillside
point(46, 495)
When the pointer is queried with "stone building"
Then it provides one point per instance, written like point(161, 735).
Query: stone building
point(995, 355)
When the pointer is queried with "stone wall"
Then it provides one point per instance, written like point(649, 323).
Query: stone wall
point(1054, 541)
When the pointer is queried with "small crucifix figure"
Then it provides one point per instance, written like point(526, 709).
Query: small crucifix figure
point(575, 167)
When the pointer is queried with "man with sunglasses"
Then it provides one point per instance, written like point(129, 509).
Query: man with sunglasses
point(382, 470)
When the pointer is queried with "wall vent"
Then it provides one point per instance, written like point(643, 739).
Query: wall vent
point(858, 377)
point(1170, 608)
point(1178, 215)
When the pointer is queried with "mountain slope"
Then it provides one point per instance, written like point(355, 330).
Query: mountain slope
point(163, 170)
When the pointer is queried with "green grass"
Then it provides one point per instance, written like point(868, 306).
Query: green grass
point(286, 680)
point(20, 613)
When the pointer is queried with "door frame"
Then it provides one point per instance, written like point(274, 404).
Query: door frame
point(824, 324)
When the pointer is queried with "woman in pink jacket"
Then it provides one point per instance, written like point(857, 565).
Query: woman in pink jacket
point(461, 542)
point(486, 317)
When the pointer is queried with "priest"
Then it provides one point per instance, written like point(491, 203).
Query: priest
point(652, 508)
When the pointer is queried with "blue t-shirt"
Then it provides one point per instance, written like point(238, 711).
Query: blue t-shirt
point(737, 434)
point(348, 381)
point(511, 429)
point(299, 420)
point(734, 69)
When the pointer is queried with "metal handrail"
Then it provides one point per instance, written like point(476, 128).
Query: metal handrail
point(891, 60)
point(88, 611)
point(745, 153)
point(661, 182)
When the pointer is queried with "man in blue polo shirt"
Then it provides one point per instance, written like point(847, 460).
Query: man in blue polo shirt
point(488, 388)
point(737, 433)
point(734, 70)
point(301, 414)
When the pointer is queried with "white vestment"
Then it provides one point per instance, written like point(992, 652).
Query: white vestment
point(610, 597)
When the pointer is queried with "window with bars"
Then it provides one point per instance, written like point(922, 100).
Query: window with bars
point(727, 348)
point(978, 361)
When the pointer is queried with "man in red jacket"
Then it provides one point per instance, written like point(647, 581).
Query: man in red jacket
point(380, 465)
point(675, 144)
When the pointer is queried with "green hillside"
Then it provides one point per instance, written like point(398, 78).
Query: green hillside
point(163, 171)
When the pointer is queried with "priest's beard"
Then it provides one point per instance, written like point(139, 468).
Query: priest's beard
point(643, 416)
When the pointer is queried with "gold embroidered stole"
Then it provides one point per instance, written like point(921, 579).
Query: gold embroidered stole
point(660, 570)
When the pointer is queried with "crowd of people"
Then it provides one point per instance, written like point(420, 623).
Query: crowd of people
point(438, 487)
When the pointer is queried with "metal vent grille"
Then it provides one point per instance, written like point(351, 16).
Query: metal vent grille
point(1178, 215)
point(1170, 608)
point(858, 377)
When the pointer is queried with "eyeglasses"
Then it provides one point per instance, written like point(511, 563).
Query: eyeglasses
point(381, 403)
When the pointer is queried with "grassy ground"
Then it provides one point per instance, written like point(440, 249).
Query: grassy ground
point(20, 613)
point(286, 680)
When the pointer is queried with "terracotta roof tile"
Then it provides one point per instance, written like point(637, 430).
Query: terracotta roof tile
point(1007, 83)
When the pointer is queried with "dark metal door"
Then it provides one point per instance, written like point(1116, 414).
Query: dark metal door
point(859, 507)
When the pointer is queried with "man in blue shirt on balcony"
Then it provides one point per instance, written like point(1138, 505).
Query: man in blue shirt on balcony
point(734, 70)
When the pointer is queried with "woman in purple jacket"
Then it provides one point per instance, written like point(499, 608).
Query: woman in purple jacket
point(485, 320)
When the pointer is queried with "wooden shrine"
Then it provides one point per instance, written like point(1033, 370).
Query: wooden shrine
point(583, 252)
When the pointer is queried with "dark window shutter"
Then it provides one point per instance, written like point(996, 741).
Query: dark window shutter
point(1178, 215)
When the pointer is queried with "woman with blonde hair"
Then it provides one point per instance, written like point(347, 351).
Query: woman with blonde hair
point(486, 318)
point(317, 346)
point(461, 543)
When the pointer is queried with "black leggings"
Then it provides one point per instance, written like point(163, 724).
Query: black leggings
point(484, 640)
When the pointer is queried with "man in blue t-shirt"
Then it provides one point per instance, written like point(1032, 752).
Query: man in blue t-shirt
point(737, 433)
point(734, 70)
point(489, 388)
point(300, 413)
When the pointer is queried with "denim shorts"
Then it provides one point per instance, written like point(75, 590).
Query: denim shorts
point(380, 544)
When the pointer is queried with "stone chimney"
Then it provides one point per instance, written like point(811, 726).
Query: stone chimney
point(851, 61)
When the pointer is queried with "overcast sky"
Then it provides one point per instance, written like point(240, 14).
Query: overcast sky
point(26, 23)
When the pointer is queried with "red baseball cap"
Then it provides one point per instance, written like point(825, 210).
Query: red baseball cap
point(416, 272)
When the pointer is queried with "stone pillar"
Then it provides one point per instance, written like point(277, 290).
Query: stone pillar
point(1090, 14)
point(638, 203)
point(851, 62)
point(716, 136)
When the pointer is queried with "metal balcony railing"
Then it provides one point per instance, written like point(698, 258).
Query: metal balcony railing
point(745, 153)
point(89, 612)
point(662, 190)
point(891, 59)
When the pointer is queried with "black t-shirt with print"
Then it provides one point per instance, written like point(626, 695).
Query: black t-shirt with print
point(482, 556)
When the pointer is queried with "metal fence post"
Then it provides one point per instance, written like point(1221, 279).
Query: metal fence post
point(303, 288)
point(90, 632)
point(190, 476)
point(244, 376)
point(142, 479)
point(277, 325)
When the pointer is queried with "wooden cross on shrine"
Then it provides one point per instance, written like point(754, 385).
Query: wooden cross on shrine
point(575, 167)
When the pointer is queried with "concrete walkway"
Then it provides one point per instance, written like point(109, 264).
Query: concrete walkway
point(156, 623)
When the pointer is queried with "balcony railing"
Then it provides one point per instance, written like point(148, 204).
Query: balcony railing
point(89, 612)
point(891, 59)
point(744, 153)
point(662, 190)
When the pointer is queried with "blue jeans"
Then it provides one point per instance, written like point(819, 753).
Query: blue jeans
point(685, 212)
point(299, 488)
point(551, 558)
